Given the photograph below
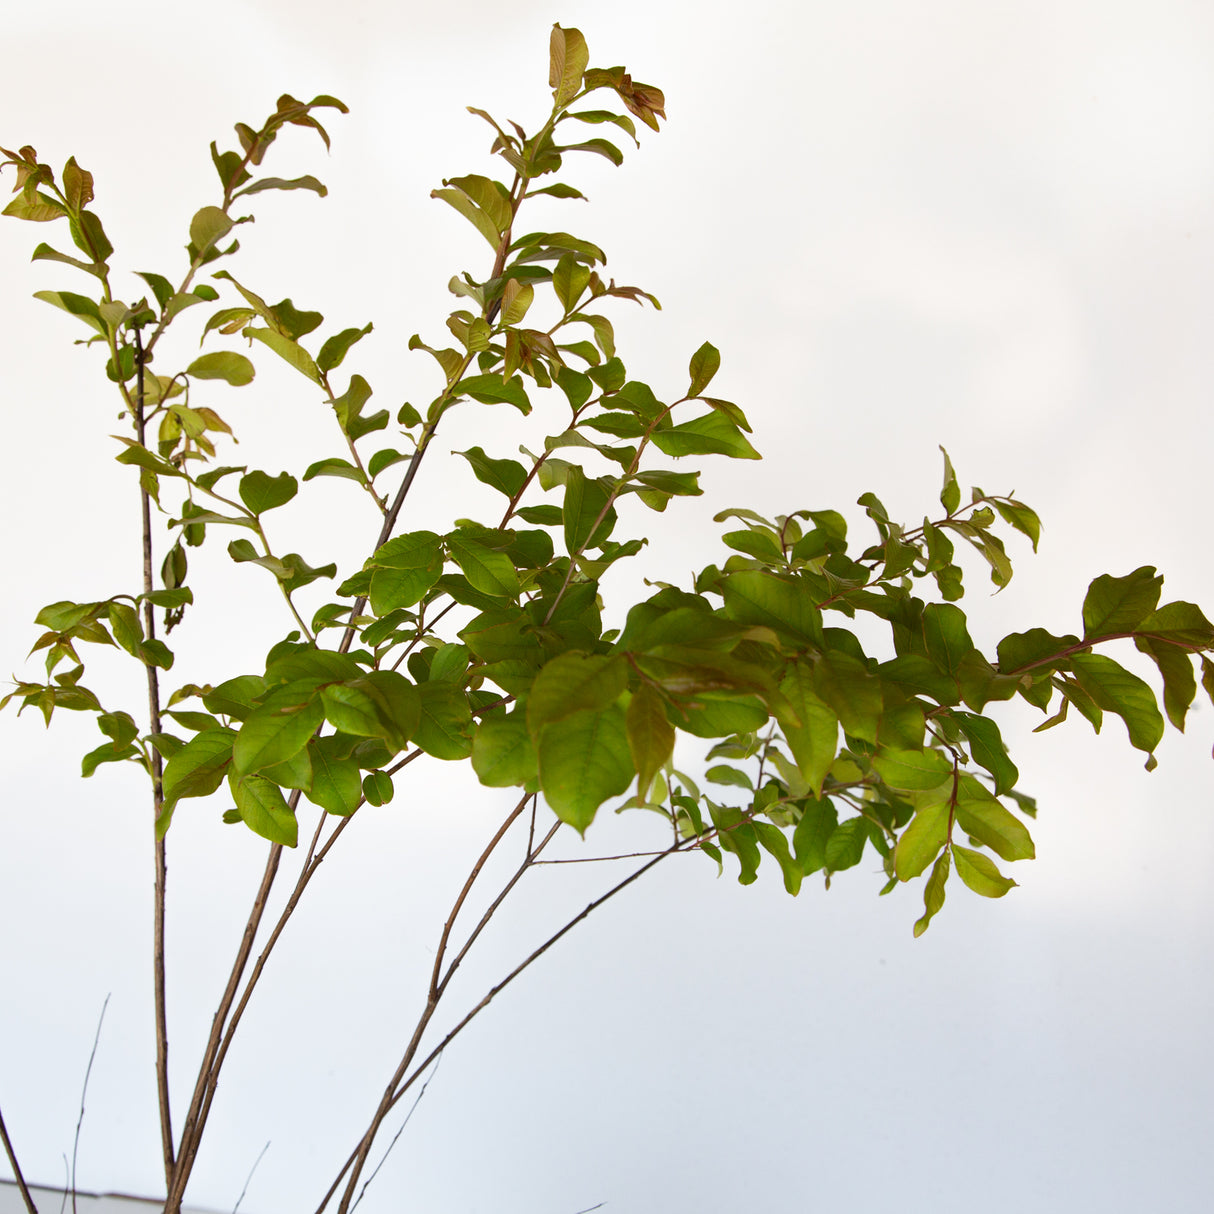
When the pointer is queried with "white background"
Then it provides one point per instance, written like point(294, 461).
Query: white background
point(903, 224)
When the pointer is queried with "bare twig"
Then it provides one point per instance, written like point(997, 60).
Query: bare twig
point(408, 1117)
point(207, 1073)
point(88, 1070)
point(358, 1156)
point(511, 818)
point(160, 998)
point(249, 1178)
point(589, 1209)
point(12, 1159)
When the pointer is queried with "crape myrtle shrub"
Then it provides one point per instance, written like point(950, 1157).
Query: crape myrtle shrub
point(486, 643)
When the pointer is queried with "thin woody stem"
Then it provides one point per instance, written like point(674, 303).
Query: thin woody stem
point(26, 1196)
point(354, 1162)
point(160, 858)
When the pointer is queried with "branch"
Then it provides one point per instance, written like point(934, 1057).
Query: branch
point(160, 997)
point(88, 1070)
point(12, 1159)
point(207, 1070)
point(395, 1137)
point(359, 1155)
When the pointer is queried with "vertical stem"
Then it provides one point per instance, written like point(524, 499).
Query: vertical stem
point(161, 867)
point(12, 1158)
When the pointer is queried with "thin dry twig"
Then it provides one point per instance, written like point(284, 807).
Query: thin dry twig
point(408, 1117)
point(249, 1178)
point(88, 1070)
point(12, 1159)
point(401, 1084)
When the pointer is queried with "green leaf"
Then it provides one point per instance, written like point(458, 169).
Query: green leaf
point(569, 280)
point(275, 732)
point(1176, 669)
point(36, 207)
point(933, 894)
point(921, 841)
point(1019, 516)
point(502, 753)
point(1033, 649)
point(773, 841)
point(979, 872)
point(261, 492)
point(263, 809)
point(490, 390)
point(818, 822)
point(759, 597)
point(854, 694)
point(197, 769)
point(1115, 689)
point(108, 753)
point(1120, 604)
point(950, 495)
point(507, 476)
point(845, 847)
point(813, 737)
point(209, 226)
point(338, 346)
point(574, 682)
point(288, 350)
point(567, 60)
point(650, 735)
point(705, 363)
point(711, 434)
point(446, 722)
point(1180, 623)
point(988, 750)
point(333, 466)
point(125, 626)
point(585, 501)
point(460, 201)
point(378, 788)
point(736, 834)
point(979, 814)
point(584, 759)
point(946, 636)
point(487, 570)
point(307, 182)
point(336, 785)
point(233, 368)
point(912, 770)
point(722, 773)
point(76, 305)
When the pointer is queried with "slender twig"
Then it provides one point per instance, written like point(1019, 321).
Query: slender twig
point(492, 908)
point(12, 1159)
point(207, 1075)
point(160, 997)
point(395, 1137)
point(353, 1162)
point(88, 1070)
point(249, 1178)
point(432, 1000)
point(511, 818)
point(590, 1209)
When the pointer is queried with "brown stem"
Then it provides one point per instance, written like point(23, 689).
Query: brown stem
point(12, 1159)
point(392, 1097)
point(207, 1074)
point(432, 1000)
point(160, 859)
point(440, 952)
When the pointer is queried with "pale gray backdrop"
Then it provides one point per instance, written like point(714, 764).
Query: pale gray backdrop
point(903, 223)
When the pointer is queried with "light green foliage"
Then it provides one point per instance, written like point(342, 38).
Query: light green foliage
point(486, 642)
